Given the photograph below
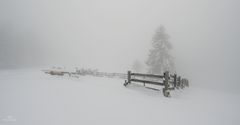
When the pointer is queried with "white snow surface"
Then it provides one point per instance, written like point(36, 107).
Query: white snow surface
point(30, 97)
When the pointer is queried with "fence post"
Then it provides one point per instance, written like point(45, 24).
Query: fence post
point(166, 77)
point(129, 76)
point(179, 82)
point(175, 80)
point(128, 81)
point(166, 84)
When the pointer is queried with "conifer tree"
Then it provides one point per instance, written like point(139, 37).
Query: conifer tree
point(160, 59)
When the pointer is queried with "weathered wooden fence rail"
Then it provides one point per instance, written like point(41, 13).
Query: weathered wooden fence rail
point(85, 72)
point(168, 81)
point(104, 74)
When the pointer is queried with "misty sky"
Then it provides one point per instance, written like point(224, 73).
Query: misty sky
point(111, 34)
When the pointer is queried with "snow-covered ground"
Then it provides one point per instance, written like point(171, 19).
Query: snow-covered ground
point(30, 97)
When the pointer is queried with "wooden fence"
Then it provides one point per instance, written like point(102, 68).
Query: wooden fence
point(78, 73)
point(168, 81)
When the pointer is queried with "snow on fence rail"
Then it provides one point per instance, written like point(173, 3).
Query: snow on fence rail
point(83, 72)
point(101, 74)
point(170, 82)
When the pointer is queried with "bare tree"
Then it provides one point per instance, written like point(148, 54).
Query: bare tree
point(160, 59)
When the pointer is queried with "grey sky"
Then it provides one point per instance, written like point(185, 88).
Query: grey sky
point(111, 34)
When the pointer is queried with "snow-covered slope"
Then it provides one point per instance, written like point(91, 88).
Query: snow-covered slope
point(30, 97)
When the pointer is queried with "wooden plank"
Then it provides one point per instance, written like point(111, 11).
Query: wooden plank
point(147, 75)
point(149, 82)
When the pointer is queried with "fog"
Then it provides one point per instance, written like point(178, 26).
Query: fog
point(110, 34)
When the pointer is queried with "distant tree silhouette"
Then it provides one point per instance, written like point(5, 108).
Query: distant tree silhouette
point(160, 59)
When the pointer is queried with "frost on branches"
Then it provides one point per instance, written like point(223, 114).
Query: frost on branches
point(160, 59)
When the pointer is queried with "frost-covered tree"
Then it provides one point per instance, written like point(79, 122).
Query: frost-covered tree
point(160, 59)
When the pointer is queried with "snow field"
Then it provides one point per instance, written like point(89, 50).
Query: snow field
point(33, 98)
